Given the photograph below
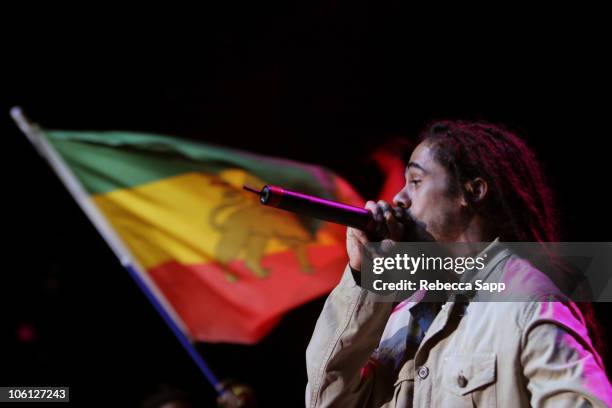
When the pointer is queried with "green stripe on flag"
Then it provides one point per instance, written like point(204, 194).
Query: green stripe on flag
point(107, 161)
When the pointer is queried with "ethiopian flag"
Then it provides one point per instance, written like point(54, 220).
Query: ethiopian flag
point(228, 266)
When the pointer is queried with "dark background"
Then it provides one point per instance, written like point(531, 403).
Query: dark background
point(324, 83)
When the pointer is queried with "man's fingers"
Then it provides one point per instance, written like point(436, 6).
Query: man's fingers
point(359, 235)
point(392, 219)
point(399, 213)
point(395, 227)
point(364, 243)
point(376, 211)
point(384, 206)
point(395, 218)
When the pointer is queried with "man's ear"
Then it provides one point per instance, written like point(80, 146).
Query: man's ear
point(475, 191)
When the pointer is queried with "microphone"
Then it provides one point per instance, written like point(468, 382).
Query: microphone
point(326, 210)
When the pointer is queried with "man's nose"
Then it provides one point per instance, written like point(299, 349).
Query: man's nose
point(402, 199)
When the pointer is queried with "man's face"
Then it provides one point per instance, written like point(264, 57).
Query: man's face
point(426, 195)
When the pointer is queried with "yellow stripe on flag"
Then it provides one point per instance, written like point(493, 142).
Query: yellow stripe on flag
point(194, 218)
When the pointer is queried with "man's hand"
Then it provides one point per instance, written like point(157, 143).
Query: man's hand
point(393, 219)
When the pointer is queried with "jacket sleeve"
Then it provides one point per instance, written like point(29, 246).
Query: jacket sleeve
point(559, 362)
point(347, 332)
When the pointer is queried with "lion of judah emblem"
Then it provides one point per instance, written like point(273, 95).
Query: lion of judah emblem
point(246, 227)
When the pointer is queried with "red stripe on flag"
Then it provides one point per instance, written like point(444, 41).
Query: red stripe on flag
point(216, 309)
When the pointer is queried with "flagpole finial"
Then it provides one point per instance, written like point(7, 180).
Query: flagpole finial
point(27, 127)
point(22, 121)
point(16, 111)
point(18, 115)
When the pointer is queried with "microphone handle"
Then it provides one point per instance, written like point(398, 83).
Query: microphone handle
point(326, 210)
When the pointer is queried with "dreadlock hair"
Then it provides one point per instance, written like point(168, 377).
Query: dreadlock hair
point(520, 201)
point(519, 196)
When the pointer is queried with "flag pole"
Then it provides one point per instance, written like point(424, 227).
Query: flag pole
point(35, 135)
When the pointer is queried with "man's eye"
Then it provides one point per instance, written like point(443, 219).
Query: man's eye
point(415, 182)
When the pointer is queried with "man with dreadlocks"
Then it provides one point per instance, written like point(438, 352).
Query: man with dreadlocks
point(466, 182)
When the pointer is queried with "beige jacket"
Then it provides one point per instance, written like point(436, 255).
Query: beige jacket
point(489, 354)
